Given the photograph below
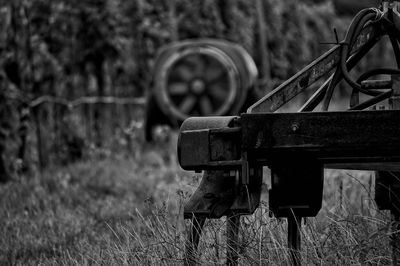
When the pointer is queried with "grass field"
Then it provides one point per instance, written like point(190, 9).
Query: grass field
point(126, 209)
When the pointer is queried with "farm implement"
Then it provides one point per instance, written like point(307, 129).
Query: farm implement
point(297, 146)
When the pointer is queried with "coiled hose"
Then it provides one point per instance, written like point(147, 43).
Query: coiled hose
point(359, 22)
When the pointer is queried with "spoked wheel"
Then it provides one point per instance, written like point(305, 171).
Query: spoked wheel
point(200, 82)
point(203, 77)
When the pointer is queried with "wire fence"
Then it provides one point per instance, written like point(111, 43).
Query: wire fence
point(61, 130)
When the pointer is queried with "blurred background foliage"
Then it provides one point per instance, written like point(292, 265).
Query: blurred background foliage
point(66, 49)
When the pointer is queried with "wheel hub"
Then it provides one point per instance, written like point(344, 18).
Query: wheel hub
point(198, 86)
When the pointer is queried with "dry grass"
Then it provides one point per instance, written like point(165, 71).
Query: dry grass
point(119, 209)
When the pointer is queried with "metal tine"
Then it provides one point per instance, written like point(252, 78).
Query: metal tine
point(232, 241)
point(192, 243)
point(294, 238)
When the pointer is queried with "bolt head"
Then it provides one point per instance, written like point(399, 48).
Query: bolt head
point(295, 127)
point(198, 86)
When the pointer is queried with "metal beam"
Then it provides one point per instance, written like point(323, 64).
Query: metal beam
point(332, 137)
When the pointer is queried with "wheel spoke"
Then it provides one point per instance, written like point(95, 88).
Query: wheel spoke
point(200, 66)
point(191, 60)
point(178, 88)
point(218, 92)
point(206, 106)
point(184, 73)
point(214, 74)
point(187, 104)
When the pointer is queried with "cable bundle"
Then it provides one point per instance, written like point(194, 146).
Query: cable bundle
point(360, 21)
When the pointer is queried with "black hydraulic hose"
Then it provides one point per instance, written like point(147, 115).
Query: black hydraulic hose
point(357, 25)
point(326, 95)
point(368, 92)
point(358, 29)
point(374, 72)
point(351, 62)
point(369, 74)
point(361, 24)
point(393, 36)
point(370, 102)
point(355, 28)
point(378, 71)
point(348, 43)
point(358, 22)
point(396, 49)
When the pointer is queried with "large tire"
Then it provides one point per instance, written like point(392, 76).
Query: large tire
point(201, 77)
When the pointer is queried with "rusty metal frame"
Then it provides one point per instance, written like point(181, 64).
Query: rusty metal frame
point(303, 142)
point(332, 137)
point(313, 72)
